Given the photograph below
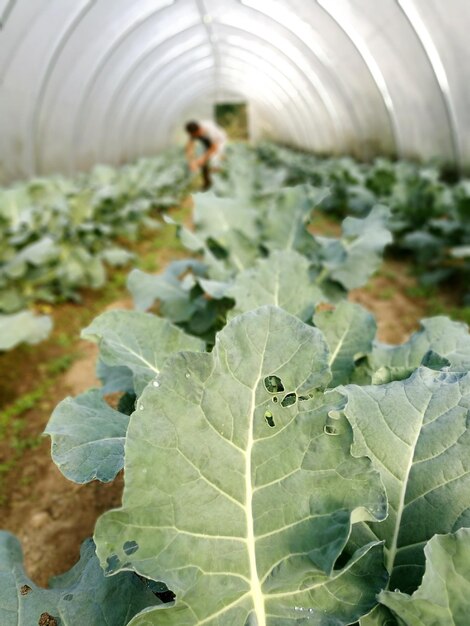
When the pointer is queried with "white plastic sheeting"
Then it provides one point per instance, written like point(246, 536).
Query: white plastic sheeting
point(85, 81)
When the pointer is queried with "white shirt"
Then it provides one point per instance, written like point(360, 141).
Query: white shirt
point(216, 134)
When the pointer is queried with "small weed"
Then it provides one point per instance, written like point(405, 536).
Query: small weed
point(60, 364)
point(387, 273)
point(17, 425)
point(20, 444)
point(26, 480)
point(21, 405)
point(119, 280)
point(420, 291)
point(155, 245)
point(6, 467)
point(148, 264)
point(64, 341)
point(386, 293)
point(462, 314)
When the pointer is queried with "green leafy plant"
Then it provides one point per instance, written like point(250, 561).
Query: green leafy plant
point(429, 218)
point(57, 235)
point(248, 255)
point(282, 468)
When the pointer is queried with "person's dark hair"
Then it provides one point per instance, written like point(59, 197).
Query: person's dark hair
point(192, 127)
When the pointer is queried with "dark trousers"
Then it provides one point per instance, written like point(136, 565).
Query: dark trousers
point(206, 176)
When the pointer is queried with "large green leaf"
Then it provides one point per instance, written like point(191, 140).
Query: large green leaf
point(283, 279)
point(236, 251)
point(117, 257)
point(443, 597)
point(114, 379)
point(39, 253)
point(171, 289)
point(285, 220)
point(139, 341)
point(440, 335)
point(236, 496)
point(88, 438)
point(416, 434)
point(216, 217)
point(353, 258)
point(225, 233)
point(81, 596)
point(55, 232)
point(11, 300)
point(349, 331)
point(223, 255)
point(23, 327)
point(241, 178)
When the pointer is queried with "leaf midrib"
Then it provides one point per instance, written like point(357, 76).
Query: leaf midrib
point(255, 585)
point(391, 553)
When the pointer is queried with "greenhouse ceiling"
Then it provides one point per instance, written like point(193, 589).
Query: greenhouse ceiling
point(86, 81)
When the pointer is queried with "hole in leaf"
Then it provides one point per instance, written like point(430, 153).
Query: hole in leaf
point(331, 430)
point(25, 589)
point(113, 563)
point(434, 361)
point(342, 561)
point(275, 399)
point(303, 398)
point(127, 403)
point(379, 510)
point(68, 597)
point(360, 360)
point(159, 589)
point(273, 384)
point(217, 250)
point(334, 415)
point(130, 547)
point(47, 620)
point(268, 416)
point(289, 400)
point(166, 596)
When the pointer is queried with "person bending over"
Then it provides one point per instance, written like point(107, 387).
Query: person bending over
point(213, 139)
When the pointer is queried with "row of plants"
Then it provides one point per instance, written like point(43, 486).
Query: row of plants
point(282, 466)
point(58, 234)
point(430, 218)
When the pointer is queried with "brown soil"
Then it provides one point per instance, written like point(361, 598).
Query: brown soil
point(396, 313)
point(49, 514)
point(386, 294)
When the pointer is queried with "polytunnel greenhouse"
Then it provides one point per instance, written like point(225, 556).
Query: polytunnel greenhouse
point(234, 308)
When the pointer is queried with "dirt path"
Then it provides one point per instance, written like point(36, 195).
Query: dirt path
point(397, 314)
point(50, 515)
